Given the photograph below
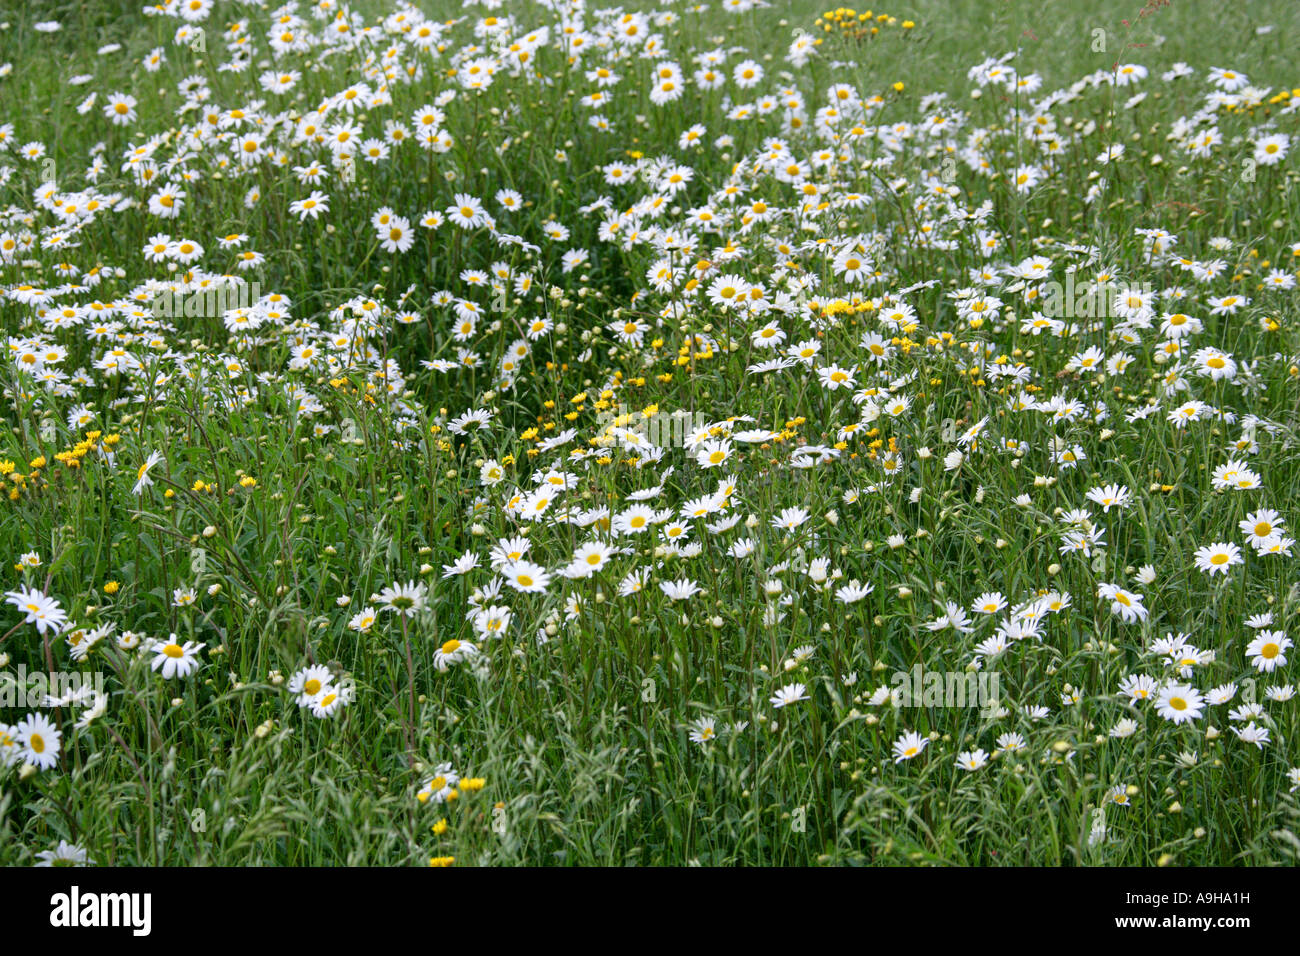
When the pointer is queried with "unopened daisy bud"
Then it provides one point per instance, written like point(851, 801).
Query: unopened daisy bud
point(715, 621)
point(552, 630)
point(27, 771)
point(209, 531)
point(1053, 569)
point(477, 530)
point(1061, 746)
point(904, 592)
point(832, 517)
point(751, 522)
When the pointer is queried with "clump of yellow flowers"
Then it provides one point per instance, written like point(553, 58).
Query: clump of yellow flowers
point(848, 23)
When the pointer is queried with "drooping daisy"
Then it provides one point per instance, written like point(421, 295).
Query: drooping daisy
point(1252, 734)
point(64, 854)
point(452, 651)
point(143, 480)
point(404, 600)
point(787, 695)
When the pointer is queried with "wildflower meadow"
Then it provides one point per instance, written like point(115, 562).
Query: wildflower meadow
point(731, 433)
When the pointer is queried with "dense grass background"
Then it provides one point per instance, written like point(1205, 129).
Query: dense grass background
point(583, 738)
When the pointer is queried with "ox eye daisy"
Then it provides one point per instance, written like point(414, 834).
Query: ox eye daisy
point(172, 658)
point(1217, 558)
point(909, 746)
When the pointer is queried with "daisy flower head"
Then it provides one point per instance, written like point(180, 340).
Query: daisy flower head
point(64, 854)
point(1217, 558)
point(404, 600)
point(40, 609)
point(787, 695)
point(142, 476)
point(909, 745)
point(40, 742)
point(1267, 651)
point(174, 659)
point(1180, 703)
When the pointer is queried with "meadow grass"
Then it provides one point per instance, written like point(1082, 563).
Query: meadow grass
point(310, 489)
